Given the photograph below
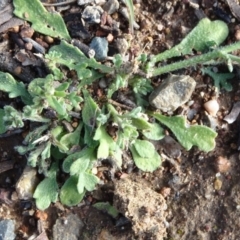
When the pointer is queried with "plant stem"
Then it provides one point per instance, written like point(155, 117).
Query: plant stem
point(217, 53)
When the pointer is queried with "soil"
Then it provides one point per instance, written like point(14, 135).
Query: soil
point(201, 194)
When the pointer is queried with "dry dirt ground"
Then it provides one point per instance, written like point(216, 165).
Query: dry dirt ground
point(202, 204)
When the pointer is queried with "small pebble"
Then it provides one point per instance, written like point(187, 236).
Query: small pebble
point(18, 70)
point(212, 107)
point(103, 83)
point(83, 2)
point(92, 14)
point(237, 35)
point(222, 164)
point(28, 46)
point(15, 29)
point(26, 32)
point(165, 191)
point(100, 46)
point(111, 6)
point(217, 184)
point(48, 39)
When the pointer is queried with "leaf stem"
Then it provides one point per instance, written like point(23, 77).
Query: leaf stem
point(217, 53)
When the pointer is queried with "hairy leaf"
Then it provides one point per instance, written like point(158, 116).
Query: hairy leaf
point(200, 136)
point(105, 142)
point(2, 125)
point(86, 153)
point(46, 192)
point(205, 35)
point(107, 207)
point(148, 164)
point(144, 148)
point(71, 139)
point(86, 180)
point(13, 88)
point(220, 79)
point(69, 194)
point(90, 110)
point(156, 132)
point(42, 21)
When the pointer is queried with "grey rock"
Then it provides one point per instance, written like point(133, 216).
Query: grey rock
point(100, 2)
point(68, 228)
point(170, 147)
point(111, 6)
point(7, 229)
point(121, 45)
point(83, 2)
point(4, 3)
point(103, 83)
point(172, 93)
point(100, 46)
point(27, 183)
point(92, 14)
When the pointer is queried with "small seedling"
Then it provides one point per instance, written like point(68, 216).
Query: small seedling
point(57, 103)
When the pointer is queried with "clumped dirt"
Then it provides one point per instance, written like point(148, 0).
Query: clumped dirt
point(144, 207)
point(203, 202)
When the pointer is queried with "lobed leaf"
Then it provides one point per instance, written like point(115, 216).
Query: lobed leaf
point(42, 21)
point(148, 164)
point(107, 207)
point(13, 88)
point(69, 194)
point(2, 125)
point(200, 136)
point(46, 192)
point(156, 132)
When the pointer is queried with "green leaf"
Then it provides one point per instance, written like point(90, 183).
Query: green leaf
point(46, 192)
point(156, 132)
point(220, 79)
point(57, 105)
point(207, 33)
point(90, 110)
point(13, 88)
point(90, 181)
point(2, 125)
point(144, 148)
point(105, 142)
point(64, 86)
point(129, 5)
point(200, 136)
point(69, 193)
point(73, 138)
point(86, 180)
point(86, 153)
point(47, 151)
point(42, 21)
point(148, 164)
point(34, 155)
point(69, 55)
point(107, 207)
point(79, 166)
point(141, 123)
point(12, 118)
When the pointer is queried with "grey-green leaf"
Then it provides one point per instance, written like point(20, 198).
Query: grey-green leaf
point(46, 192)
point(144, 163)
point(69, 194)
point(13, 88)
point(42, 21)
point(144, 148)
point(201, 136)
point(156, 132)
point(2, 126)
